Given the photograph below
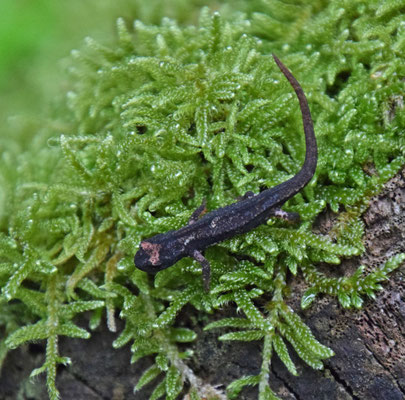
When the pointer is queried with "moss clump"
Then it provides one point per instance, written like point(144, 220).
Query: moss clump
point(170, 115)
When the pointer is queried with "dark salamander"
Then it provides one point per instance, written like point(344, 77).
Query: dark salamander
point(164, 250)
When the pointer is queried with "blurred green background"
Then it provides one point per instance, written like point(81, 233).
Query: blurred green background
point(36, 36)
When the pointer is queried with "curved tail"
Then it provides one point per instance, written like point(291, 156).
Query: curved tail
point(297, 182)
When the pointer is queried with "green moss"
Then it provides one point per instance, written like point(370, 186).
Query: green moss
point(173, 114)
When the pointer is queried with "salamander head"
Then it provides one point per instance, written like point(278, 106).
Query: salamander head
point(157, 253)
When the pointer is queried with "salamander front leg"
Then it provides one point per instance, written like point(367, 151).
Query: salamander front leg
point(198, 212)
point(292, 217)
point(206, 269)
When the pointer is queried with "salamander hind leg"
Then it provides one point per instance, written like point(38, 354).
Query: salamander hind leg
point(206, 269)
point(198, 212)
point(247, 195)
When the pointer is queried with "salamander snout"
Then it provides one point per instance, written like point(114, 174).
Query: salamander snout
point(156, 254)
point(147, 257)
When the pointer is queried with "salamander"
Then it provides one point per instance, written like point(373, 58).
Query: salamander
point(163, 250)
